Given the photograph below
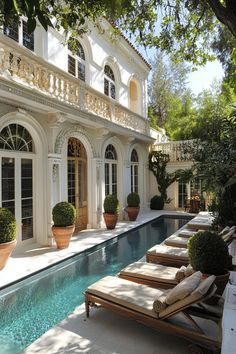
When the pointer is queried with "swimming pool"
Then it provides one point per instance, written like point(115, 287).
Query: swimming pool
point(31, 307)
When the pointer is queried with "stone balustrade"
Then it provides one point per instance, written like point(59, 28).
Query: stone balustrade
point(175, 150)
point(25, 68)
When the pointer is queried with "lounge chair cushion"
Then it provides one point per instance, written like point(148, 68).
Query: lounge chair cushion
point(169, 252)
point(177, 241)
point(151, 271)
point(186, 233)
point(127, 293)
point(184, 288)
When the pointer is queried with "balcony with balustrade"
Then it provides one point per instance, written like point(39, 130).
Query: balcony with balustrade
point(23, 68)
point(176, 151)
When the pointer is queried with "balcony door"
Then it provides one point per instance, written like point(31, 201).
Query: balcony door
point(77, 181)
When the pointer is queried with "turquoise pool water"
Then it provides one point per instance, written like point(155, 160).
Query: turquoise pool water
point(31, 307)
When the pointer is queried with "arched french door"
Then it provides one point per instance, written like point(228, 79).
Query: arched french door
point(17, 162)
point(77, 181)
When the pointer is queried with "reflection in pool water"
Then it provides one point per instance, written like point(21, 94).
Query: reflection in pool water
point(30, 308)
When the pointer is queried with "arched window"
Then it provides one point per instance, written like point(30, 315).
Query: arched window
point(76, 61)
point(109, 82)
point(134, 171)
point(16, 137)
point(110, 170)
point(16, 163)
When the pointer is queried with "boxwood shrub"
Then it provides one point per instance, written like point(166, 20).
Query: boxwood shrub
point(7, 226)
point(133, 200)
point(63, 214)
point(157, 203)
point(208, 253)
point(111, 204)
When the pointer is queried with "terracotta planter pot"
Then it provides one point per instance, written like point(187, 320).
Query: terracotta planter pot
point(132, 213)
point(110, 220)
point(5, 252)
point(62, 235)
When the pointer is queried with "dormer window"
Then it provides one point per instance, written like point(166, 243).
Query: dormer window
point(20, 34)
point(109, 82)
point(76, 61)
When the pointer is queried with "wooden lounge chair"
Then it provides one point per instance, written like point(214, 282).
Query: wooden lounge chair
point(186, 233)
point(154, 275)
point(148, 306)
point(167, 255)
point(200, 223)
point(177, 241)
point(182, 242)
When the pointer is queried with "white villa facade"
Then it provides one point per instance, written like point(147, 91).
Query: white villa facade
point(72, 126)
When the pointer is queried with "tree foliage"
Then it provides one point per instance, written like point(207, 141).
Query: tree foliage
point(215, 163)
point(166, 86)
point(224, 45)
point(181, 27)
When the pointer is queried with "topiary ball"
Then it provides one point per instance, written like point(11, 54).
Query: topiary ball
point(63, 214)
point(208, 253)
point(157, 203)
point(133, 200)
point(7, 226)
point(111, 204)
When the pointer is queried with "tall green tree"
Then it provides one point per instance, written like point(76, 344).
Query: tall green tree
point(168, 81)
point(182, 115)
point(180, 27)
point(224, 45)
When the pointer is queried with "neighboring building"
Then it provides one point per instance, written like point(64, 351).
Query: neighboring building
point(180, 192)
point(72, 126)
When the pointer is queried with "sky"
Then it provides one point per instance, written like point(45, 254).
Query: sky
point(204, 76)
point(198, 80)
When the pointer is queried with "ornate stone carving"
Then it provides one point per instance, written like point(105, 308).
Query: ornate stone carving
point(75, 130)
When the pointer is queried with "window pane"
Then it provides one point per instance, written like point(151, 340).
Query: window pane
point(182, 194)
point(71, 65)
point(113, 90)
point(27, 198)
point(114, 179)
point(26, 178)
point(12, 31)
point(81, 71)
point(16, 137)
point(106, 87)
point(28, 39)
point(71, 182)
point(110, 152)
point(134, 156)
point(108, 72)
point(80, 51)
point(8, 183)
point(106, 179)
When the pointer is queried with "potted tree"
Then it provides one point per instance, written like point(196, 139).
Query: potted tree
point(7, 235)
point(111, 207)
point(132, 208)
point(63, 215)
point(209, 253)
